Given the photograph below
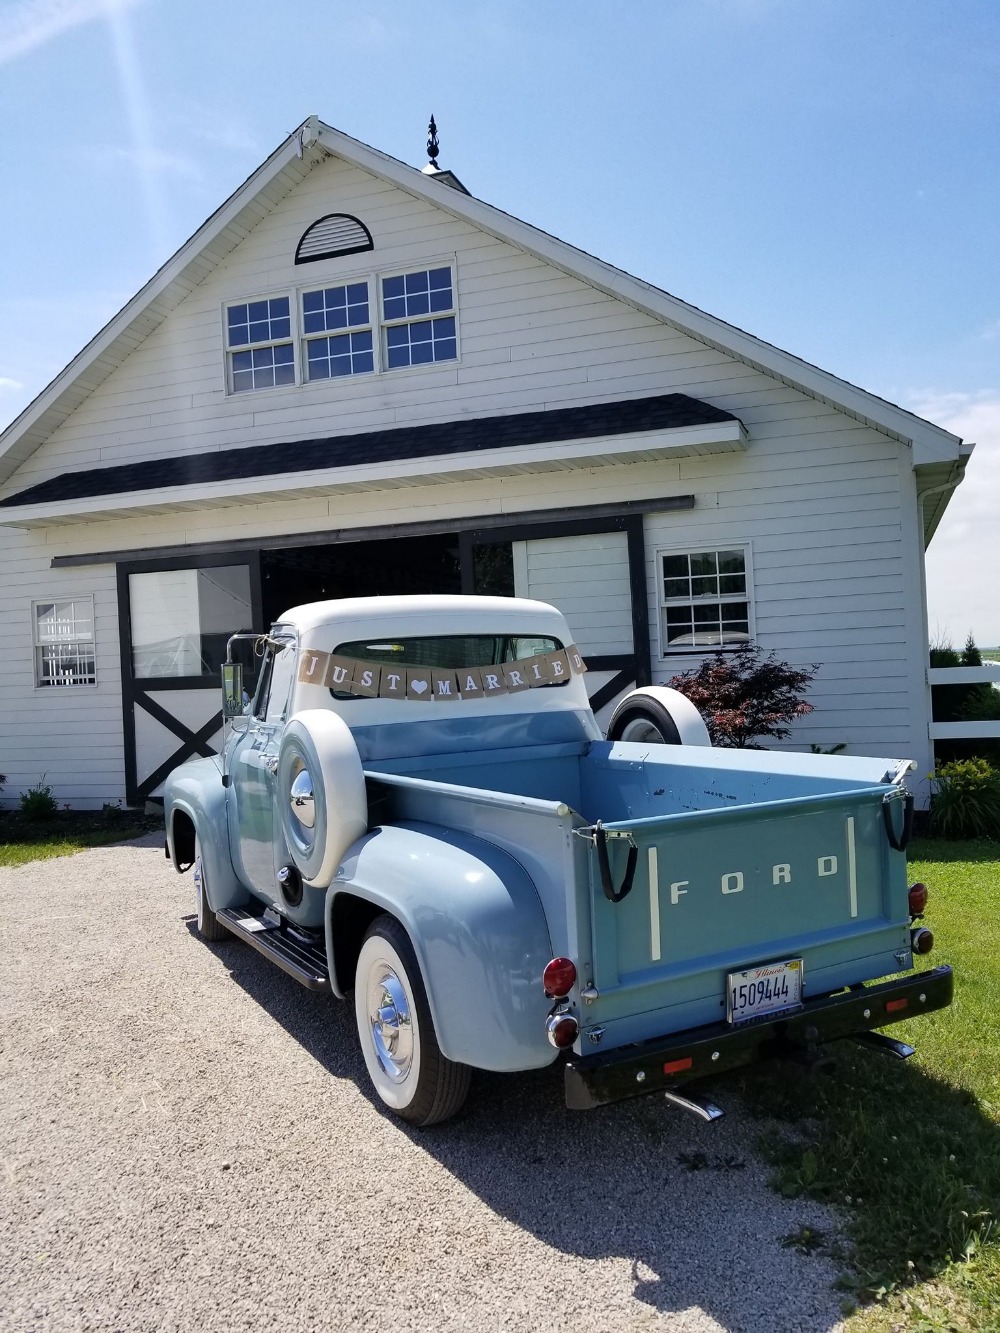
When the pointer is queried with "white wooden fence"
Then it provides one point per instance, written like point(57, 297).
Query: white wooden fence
point(988, 673)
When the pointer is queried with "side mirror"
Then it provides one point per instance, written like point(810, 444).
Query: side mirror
point(232, 690)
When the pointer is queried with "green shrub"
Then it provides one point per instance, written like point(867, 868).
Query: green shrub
point(966, 800)
point(38, 803)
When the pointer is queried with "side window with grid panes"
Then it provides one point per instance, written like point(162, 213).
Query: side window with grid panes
point(418, 314)
point(705, 600)
point(63, 635)
point(336, 325)
point(259, 344)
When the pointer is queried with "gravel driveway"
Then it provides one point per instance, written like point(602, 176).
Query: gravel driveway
point(187, 1141)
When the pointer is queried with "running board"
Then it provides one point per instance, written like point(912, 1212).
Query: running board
point(688, 1101)
point(880, 1042)
point(290, 949)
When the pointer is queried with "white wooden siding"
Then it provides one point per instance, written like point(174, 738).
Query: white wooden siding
point(69, 737)
point(587, 577)
point(827, 504)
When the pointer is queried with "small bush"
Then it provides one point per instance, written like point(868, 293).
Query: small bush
point(966, 800)
point(743, 695)
point(38, 803)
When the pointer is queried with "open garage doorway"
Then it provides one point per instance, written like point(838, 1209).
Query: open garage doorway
point(177, 611)
point(289, 577)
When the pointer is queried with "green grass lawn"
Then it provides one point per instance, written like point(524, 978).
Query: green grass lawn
point(68, 831)
point(911, 1150)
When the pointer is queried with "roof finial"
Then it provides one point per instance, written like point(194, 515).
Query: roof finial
point(432, 142)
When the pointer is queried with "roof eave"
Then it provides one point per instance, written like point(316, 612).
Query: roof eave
point(936, 484)
point(562, 456)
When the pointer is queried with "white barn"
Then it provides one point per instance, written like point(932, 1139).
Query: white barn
point(356, 378)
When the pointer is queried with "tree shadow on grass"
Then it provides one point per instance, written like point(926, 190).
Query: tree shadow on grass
point(915, 1160)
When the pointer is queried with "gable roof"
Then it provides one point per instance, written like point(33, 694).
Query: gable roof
point(288, 166)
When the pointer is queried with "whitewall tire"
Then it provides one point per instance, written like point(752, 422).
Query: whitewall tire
point(208, 925)
point(321, 793)
point(398, 1042)
point(658, 715)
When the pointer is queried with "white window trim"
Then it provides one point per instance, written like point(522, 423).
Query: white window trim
point(298, 337)
point(305, 339)
point(450, 313)
point(293, 338)
point(666, 654)
point(36, 645)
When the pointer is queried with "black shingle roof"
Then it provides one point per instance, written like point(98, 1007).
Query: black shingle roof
point(475, 435)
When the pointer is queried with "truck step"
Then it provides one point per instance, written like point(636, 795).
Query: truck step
point(292, 950)
point(878, 1041)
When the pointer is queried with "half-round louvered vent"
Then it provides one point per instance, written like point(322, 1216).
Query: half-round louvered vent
point(336, 234)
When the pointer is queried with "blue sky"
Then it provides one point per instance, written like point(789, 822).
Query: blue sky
point(822, 173)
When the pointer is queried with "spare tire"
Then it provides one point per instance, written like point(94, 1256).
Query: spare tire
point(321, 793)
point(658, 715)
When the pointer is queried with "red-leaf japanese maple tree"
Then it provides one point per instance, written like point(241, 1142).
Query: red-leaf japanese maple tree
point(743, 695)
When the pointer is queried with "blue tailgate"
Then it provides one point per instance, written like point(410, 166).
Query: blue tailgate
point(715, 891)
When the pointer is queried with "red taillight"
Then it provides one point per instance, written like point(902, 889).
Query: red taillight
point(677, 1066)
point(562, 1030)
point(918, 899)
point(921, 941)
point(559, 977)
point(892, 1006)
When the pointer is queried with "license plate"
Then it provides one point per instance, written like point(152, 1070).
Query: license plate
point(761, 992)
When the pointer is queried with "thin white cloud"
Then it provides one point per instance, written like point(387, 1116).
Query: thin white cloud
point(33, 23)
point(991, 333)
point(7, 384)
point(147, 160)
point(204, 122)
point(962, 559)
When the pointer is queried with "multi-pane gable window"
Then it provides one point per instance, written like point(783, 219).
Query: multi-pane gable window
point(337, 328)
point(418, 312)
point(64, 642)
point(362, 327)
point(704, 600)
point(259, 342)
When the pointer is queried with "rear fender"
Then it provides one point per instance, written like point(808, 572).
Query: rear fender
point(195, 799)
point(477, 927)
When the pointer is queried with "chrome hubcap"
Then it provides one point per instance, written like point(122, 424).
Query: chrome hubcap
point(302, 800)
point(198, 889)
point(391, 1026)
point(642, 730)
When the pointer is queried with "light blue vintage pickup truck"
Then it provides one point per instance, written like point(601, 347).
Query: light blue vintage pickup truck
point(417, 808)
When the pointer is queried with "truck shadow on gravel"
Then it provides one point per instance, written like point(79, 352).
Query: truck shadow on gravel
point(685, 1204)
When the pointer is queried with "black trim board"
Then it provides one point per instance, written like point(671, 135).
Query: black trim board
point(664, 412)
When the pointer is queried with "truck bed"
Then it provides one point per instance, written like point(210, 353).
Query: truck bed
point(741, 858)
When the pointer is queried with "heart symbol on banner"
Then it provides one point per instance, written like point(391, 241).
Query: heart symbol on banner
point(418, 686)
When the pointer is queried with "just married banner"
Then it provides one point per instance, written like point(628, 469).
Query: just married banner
point(384, 680)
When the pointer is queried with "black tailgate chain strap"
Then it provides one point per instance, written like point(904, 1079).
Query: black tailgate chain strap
point(898, 843)
point(600, 839)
